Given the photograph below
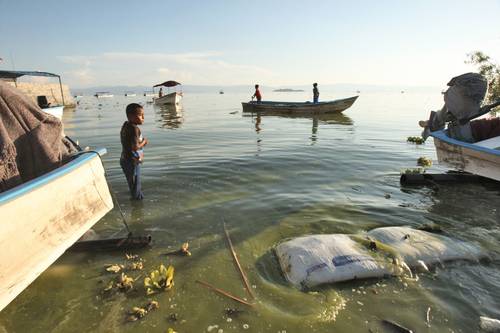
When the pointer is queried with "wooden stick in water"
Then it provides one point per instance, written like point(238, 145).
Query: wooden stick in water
point(243, 276)
point(225, 293)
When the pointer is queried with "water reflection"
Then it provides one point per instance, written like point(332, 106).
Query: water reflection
point(169, 116)
point(328, 119)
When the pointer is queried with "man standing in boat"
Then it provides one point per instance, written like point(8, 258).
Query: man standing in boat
point(257, 94)
point(315, 93)
point(160, 94)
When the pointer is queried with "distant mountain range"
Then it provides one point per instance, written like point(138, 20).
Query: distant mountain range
point(346, 88)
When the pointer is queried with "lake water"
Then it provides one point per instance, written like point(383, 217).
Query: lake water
point(269, 179)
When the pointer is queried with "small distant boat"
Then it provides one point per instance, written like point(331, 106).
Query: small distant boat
point(103, 94)
point(149, 93)
point(42, 101)
point(266, 107)
point(480, 158)
point(130, 94)
point(221, 92)
point(170, 98)
point(43, 217)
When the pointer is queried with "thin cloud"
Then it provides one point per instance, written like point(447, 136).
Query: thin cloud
point(136, 68)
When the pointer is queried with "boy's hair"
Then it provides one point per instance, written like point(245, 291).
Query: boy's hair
point(256, 86)
point(132, 108)
point(315, 84)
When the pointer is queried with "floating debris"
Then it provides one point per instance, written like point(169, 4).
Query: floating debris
point(184, 250)
point(115, 268)
point(160, 279)
point(416, 139)
point(171, 330)
point(424, 161)
point(121, 283)
point(132, 256)
point(428, 317)
point(125, 283)
point(138, 313)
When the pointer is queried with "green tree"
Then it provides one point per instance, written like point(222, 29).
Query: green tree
point(490, 71)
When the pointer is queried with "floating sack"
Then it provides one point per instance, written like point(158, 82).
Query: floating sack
point(312, 260)
point(414, 245)
point(318, 259)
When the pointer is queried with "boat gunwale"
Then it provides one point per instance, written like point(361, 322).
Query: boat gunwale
point(297, 104)
point(20, 190)
point(441, 135)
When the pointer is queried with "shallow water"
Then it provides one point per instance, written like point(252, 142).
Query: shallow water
point(269, 179)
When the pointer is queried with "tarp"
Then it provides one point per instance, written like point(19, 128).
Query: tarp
point(16, 74)
point(167, 84)
point(31, 141)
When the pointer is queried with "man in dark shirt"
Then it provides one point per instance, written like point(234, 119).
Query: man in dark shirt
point(132, 149)
point(315, 93)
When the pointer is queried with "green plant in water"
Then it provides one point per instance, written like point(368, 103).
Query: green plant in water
point(416, 139)
point(159, 279)
point(424, 161)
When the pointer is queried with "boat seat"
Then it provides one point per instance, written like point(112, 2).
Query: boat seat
point(491, 143)
point(42, 101)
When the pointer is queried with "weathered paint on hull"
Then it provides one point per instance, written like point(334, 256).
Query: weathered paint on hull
point(44, 217)
point(299, 108)
point(466, 157)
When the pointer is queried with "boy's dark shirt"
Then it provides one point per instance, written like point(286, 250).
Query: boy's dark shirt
point(130, 136)
point(315, 92)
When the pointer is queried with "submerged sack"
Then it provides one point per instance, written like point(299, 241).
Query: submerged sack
point(312, 260)
point(318, 259)
point(414, 245)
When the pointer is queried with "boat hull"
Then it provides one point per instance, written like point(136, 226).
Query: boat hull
point(172, 98)
point(463, 156)
point(336, 106)
point(56, 111)
point(44, 217)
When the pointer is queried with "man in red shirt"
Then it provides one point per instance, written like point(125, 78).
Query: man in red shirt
point(257, 94)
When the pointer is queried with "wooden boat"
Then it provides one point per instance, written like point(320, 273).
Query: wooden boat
point(170, 98)
point(103, 94)
point(45, 216)
point(480, 158)
point(335, 106)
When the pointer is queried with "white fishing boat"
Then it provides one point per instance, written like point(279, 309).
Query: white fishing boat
point(173, 98)
point(130, 94)
point(55, 108)
point(43, 217)
point(480, 158)
point(103, 94)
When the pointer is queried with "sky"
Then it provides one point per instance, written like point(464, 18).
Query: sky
point(275, 43)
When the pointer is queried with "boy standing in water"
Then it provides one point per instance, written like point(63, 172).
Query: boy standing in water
point(132, 149)
point(257, 94)
point(315, 93)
